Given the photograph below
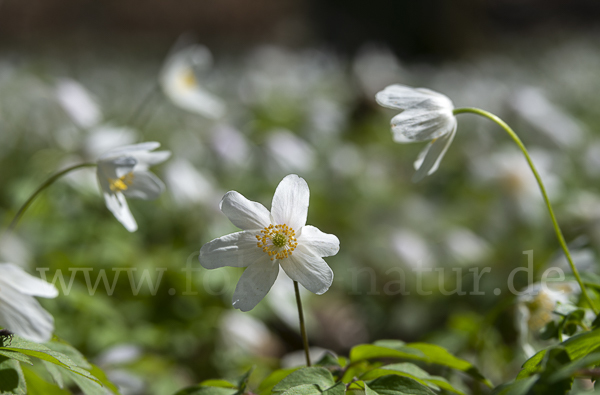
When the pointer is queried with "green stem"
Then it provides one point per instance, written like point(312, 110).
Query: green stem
point(45, 185)
point(302, 326)
point(559, 234)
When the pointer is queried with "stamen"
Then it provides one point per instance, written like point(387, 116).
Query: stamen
point(121, 183)
point(278, 241)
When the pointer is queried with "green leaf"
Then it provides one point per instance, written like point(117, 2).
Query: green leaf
point(576, 347)
point(201, 390)
point(38, 386)
point(266, 386)
point(338, 389)
point(328, 359)
point(42, 352)
point(87, 386)
point(54, 373)
point(16, 355)
point(100, 375)
point(519, 387)
point(320, 377)
point(12, 380)
point(218, 383)
point(396, 385)
point(414, 372)
point(304, 389)
point(424, 352)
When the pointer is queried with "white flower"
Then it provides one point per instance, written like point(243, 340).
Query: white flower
point(123, 172)
point(19, 311)
point(78, 103)
point(180, 83)
point(268, 240)
point(425, 115)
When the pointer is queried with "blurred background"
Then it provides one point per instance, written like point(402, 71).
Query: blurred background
point(280, 87)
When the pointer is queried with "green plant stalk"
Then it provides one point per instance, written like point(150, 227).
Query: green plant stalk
point(302, 326)
point(45, 185)
point(557, 229)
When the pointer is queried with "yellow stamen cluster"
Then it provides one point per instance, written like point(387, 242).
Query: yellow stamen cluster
point(278, 241)
point(541, 309)
point(121, 183)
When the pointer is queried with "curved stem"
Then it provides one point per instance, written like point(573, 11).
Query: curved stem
point(557, 229)
point(302, 326)
point(46, 184)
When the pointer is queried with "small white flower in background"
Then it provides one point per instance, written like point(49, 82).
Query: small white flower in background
point(289, 152)
point(123, 172)
point(535, 308)
point(425, 116)
point(413, 249)
point(19, 311)
point(188, 185)
point(533, 105)
point(466, 246)
point(180, 83)
point(78, 103)
point(231, 145)
point(269, 240)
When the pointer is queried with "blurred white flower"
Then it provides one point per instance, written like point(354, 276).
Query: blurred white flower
point(187, 184)
point(412, 249)
point(19, 311)
point(111, 360)
point(180, 82)
point(246, 333)
point(425, 115)
point(123, 172)
point(591, 159)
point(298, 358)
point(78, 103)
point(289, 152)
point(535, 308)
point(231, 145)
point(508, 168)
point(269, 240)
point(534, 106)
point(14, 249)
point(102, 138)
point(347, 160)
point(466, 246)
point(376, 67)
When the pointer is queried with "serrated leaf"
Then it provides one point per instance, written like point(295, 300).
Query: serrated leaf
point(396, 385)
point(88, 387)
point(16, 355)
point(338, 389)
point(12, 380)
point(54, 373)
point(100, 375)
point(320, 377)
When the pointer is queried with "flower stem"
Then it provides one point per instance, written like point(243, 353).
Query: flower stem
point(557, 229)
point(302, 326)
point(45, 185)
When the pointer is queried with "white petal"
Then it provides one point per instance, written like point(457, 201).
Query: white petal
point(421, 124)
point(129, 149)
point(308, 269)
point(236, 250)
point(146, 159)
point(144, 185)
point(290, 202)
point(25, 283)
point(78, 103)
point(322, 244)
point(402, 97)
point(23, 315)
point(113, 169)
point(429, 159)
point(117, 205)
point(255, 283)
point(244, 213)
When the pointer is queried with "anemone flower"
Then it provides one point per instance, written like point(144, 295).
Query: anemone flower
point(424, 115)
point(123, 172)
point(269, 240)
point(180, 82)
point(20, 313)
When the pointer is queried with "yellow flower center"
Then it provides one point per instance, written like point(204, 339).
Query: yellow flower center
point(278, 241)
point(121, 183)
point(541, 309)
point(188, 79)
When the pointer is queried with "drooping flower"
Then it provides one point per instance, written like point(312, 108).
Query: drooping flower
point(19, 311)
point(123, 172)
point(270, 240)
point(425, 116)
point(180, 82)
